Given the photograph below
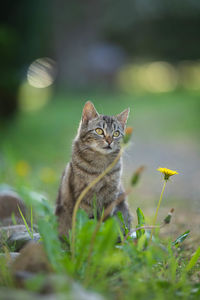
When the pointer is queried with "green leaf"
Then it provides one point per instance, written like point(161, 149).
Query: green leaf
point(181, 238)
point(25, 223)
point(142, 241)
point(136, 176)
point(193, 260)
point(134, 179)
point(124, 227)
point(48, 231)
point(81, 219)
point(141, 222)
point(31, 219)
point(140, 216)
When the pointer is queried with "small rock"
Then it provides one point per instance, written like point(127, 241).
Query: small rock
point(32, 259)
point(11, 255)
point(7, 231)
point(79, 293)
point(70, 288)
point(9, 202)
point(19, 239)
point(14, 294)
point(16, 236)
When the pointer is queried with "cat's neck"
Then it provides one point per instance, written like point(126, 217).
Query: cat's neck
point(91, 157)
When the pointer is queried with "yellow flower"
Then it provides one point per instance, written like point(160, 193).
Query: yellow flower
point(47, 175)
point(167, 172)
point(22, 168)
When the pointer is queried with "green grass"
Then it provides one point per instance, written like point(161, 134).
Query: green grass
point(44, 138)
point(133, 269)
point(128, 270)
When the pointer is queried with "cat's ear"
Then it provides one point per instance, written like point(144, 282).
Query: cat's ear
point(122, 118)
point(89, 112)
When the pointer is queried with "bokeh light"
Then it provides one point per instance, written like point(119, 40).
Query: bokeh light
point(190, 74)
point(47, 175)
point(160, 77)
point(31, 98)
point(35, 92)
point(42, 72)
point(156, 77)
point(22, 168)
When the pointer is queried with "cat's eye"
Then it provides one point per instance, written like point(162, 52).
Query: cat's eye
point(99, 131)
point(116, 133)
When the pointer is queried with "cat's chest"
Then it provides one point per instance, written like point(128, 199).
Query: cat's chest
point(109, 179)
point(104, 189)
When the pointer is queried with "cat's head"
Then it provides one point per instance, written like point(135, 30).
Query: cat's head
point(102, 133)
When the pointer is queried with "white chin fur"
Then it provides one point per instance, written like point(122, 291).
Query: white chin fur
point(101, 150)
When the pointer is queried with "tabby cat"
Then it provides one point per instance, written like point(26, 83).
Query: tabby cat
point(95, 147)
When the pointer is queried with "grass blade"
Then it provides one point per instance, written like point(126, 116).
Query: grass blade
point(193, 260)
point(141, 222)
point(25, 223)
point(31, 219)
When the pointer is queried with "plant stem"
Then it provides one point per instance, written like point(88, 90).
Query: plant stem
point(31, 219)
point(103, 217)
point(158, 206)
point(82, 195)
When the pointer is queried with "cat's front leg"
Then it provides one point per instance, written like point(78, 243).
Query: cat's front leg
point(124, 209)
point(65, 202)
point(64, 220)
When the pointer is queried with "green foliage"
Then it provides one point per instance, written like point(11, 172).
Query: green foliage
point(127, 270)
point(181, 238)
point(5, 274)
point(141, 222)
point(193, 260)
point(30, 232)
point(121, 219)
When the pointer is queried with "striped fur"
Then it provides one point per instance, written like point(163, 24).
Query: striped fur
point(91, 154)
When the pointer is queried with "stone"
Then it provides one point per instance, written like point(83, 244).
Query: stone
point(9, 256)
point(16, 236)
point(19, 239)
point(32, 259)
point(15, 294)
point(9, 202)
point(58, 287)
point(7, 231)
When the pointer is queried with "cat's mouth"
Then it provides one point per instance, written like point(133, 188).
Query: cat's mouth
point(108, 147)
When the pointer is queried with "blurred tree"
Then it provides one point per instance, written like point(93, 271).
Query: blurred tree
point(90, 39)
point(22, 40)
point(155, 29)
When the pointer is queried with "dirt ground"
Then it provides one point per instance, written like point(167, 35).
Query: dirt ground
point(182, 191)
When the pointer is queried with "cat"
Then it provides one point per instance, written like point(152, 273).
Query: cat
point(95, 147)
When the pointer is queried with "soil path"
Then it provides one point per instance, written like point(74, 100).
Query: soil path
point(181, 155)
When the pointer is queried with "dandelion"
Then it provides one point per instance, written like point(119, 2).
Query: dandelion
point(22, 168)
point(167, 174)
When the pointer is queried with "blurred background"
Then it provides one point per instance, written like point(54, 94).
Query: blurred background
point(55, 55)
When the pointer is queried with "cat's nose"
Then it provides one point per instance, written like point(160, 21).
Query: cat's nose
point(109, 140)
